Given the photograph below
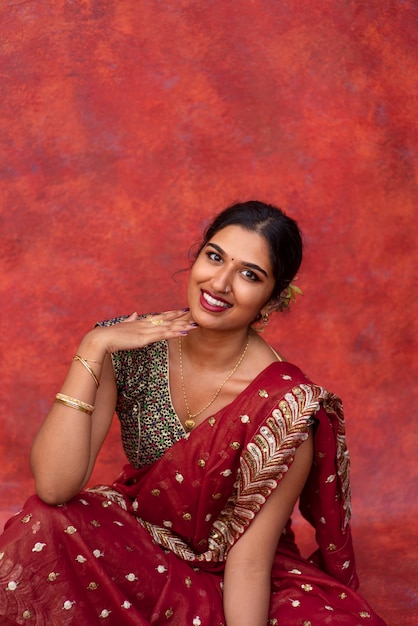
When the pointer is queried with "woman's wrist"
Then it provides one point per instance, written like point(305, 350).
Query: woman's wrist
point(93, 347)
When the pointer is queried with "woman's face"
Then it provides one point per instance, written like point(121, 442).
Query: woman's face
point(231, 279)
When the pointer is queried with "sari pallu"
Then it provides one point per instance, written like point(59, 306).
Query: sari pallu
point(151, 549)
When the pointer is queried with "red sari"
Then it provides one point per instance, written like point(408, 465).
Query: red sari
point(151, 549)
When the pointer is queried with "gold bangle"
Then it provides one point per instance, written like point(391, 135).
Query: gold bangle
point(93, 361)
point(77, 357)
point(73, 403)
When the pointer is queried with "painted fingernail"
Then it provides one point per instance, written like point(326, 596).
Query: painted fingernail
point(193, 324)
point(184, 332)
point(186, 309)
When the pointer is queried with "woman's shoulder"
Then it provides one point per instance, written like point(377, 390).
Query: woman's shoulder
point(288, 373)
point(269, 359)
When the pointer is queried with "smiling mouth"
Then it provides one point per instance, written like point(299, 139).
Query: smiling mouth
point(215, 302)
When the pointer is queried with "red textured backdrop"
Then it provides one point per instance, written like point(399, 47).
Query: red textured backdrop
point(125, 125)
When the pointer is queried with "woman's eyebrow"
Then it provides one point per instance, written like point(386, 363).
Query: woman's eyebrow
point(252, 266)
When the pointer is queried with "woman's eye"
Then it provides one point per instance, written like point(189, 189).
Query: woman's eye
point(214, 256)
point(250, 275)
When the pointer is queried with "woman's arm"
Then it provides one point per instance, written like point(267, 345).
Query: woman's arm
point(67, 444)
point(247, 586)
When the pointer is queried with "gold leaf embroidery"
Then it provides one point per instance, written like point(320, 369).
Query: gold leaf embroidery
point(92, 586)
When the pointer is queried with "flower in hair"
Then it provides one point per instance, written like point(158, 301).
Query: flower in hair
point(289, 294)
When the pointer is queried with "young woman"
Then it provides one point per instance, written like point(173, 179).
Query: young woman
point(222, 438)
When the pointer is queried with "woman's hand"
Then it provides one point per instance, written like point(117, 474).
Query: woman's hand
point(135, 332)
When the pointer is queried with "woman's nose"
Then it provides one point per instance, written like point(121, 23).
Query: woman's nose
point(221, 281)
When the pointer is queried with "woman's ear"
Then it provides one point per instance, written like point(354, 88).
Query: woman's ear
point(270, 307)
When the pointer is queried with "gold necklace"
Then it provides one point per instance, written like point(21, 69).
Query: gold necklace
point(190, 423)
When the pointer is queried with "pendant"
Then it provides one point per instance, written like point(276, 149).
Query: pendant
point(189, 424)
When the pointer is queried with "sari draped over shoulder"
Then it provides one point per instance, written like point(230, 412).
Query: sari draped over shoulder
point(151, 548)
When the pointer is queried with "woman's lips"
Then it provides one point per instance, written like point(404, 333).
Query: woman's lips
point(212, 303)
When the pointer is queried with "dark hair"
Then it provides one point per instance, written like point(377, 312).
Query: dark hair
point(281, 232)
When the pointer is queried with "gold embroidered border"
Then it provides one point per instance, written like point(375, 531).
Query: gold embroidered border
point(267, 458)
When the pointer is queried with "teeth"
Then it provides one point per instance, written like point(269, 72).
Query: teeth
point(214, 302)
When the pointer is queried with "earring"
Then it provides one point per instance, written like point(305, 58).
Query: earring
point(261, 322)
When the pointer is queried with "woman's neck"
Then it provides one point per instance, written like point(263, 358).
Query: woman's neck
point(214, 349)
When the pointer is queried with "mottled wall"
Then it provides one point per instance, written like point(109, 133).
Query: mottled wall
point(125, 125)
